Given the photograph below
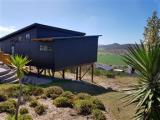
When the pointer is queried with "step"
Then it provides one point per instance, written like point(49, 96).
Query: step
point(7, 80)
point(15, 81)
point(11, 73)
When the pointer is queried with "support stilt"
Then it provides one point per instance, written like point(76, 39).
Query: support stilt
point(80, 78)
point(63, 74)
point(45, 72)
point(30, 69)
point(76, 73)
point(92, 72)
point(53, 73)
point(38, 72)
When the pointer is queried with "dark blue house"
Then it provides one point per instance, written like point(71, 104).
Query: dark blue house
point(51, 47)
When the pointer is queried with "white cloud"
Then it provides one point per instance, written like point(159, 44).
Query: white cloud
point(4, 30)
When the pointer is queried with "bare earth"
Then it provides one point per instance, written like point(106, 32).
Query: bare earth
point(54, 113)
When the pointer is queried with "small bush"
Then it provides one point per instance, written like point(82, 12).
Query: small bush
point(3, 97)
point(43, 96)
point(53, 90)
point(27, 98)
point(8, 107)
point(33, 103)
point(110, 75)
point(40, 109)
point(83, 107)
point(36, 91)
point(12, 91)
point(62, 102)
point(68, 94)
point(54, 96)
point(98, 115)
point(20, 117)
point(23, 111)
point(97, 104)
point(12, 101)
point(83, 96)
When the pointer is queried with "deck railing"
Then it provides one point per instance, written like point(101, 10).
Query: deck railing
point(5, 58)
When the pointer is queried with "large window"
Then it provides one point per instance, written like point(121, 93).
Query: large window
point(45, 48)
point(20, 38)
point(28, 36)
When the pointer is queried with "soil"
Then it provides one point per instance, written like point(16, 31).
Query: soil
point(54, 113)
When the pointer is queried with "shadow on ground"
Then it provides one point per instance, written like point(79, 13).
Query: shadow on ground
point(79, 86)
point(75, 86)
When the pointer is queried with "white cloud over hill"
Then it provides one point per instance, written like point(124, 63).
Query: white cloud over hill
point(4, 30)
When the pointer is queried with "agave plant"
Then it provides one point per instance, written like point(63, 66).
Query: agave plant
point(146, 94)
point(19, 64)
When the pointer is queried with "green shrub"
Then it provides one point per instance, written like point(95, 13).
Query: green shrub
point(8, 107)
point(43, 96)
point(97, 104)
point(53, 90)
point(12, 91)
point(98, 115)
point(3, 97)
point(23, 111)
point(33, 103)
point(110, 75)
point(27, 98)
point(36, 91)
point(83, 96)
point(12, 101)
point(83, 107)
point(68, 94)
point(54, 96)
point(20, 117)
point(62, 102)
point(40, 109)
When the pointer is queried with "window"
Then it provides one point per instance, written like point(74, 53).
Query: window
point(28, 36)
point(45, 48)
point(20, 38)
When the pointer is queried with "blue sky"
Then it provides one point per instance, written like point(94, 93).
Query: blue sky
point(119, 21)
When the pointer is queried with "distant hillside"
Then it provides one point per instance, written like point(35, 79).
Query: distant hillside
point(114, 48)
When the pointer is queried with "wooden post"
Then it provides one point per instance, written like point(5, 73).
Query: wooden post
point(63, 74)
point(45, 72)
point(92, 72)
point(30, 68)
point(38, 72)
point(53, 73)
point(80, 73)
point(76, 73)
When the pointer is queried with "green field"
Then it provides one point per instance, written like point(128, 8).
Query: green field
point(110, 59)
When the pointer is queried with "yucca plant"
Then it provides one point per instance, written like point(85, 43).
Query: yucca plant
point(19, 64)
point(146, 94)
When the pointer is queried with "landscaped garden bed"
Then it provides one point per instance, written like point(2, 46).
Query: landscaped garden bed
point(49, 103)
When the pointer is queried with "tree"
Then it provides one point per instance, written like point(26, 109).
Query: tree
point(146, 94)
point(19, 64)
point(152, 30)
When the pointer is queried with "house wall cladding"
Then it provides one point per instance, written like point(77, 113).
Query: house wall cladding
point(76, 51)
point(64, 52)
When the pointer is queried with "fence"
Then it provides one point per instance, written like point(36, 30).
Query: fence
point(5, 58)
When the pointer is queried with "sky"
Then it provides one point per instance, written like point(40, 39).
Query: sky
point(118, 21)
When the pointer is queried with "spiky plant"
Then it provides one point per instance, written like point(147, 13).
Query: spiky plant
point(146, 94)
point(19, 64)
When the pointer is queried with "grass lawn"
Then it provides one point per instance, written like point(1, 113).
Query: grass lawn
point(117, 105)
point(110, 59)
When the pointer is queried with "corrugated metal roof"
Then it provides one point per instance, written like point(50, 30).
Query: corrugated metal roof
point(42, 26)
